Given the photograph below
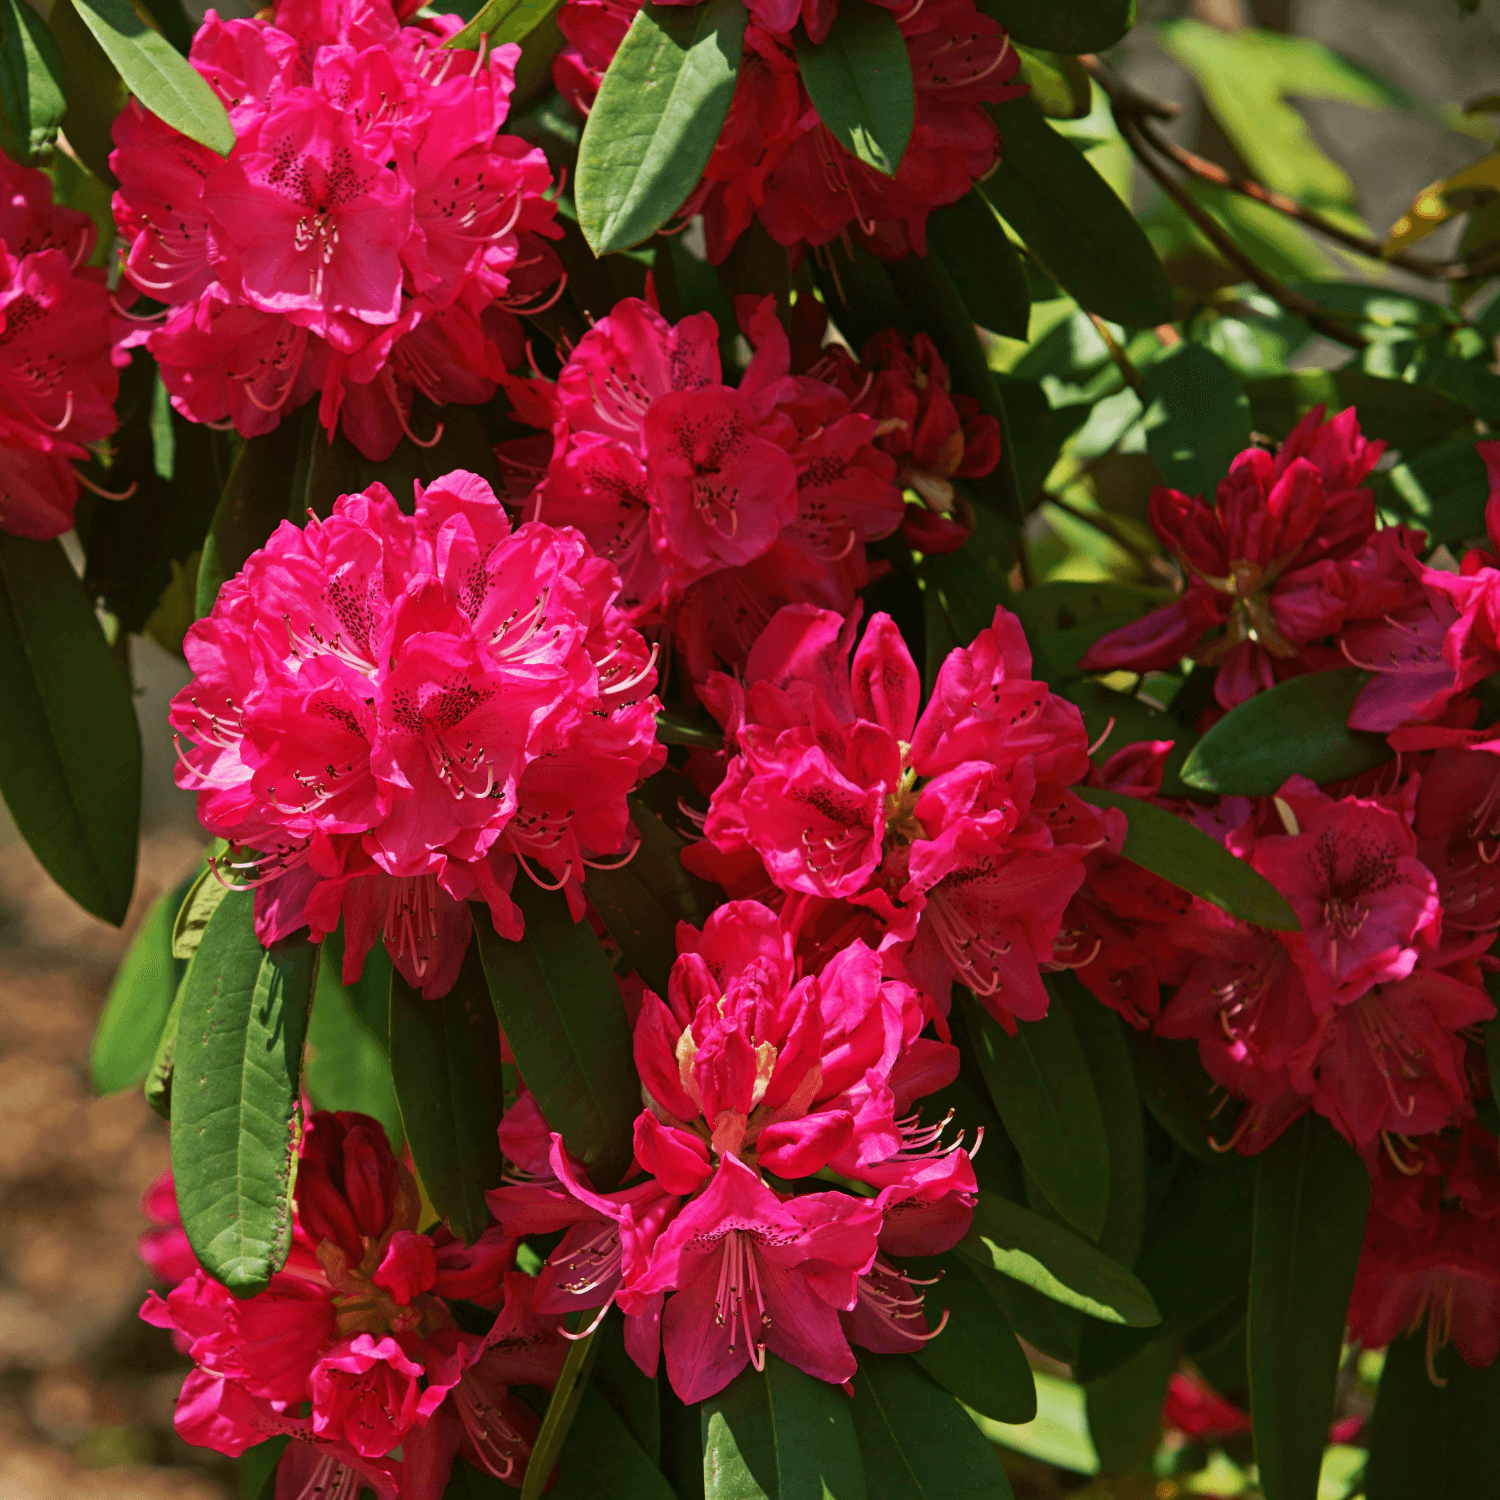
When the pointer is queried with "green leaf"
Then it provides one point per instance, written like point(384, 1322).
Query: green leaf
point(656, 118)
point(158, 1085)
point(157, 74)
point(1028, 1248)
point(503, 21)
point(859, 80)
point(1070, 26)
point(562, 1408)
point(1444, 491)
point(258, 1469)
point(1297, 728)
point(601, 1461)
point(633, 1396)
point(985, 267)
point(93, 88)
point(1174, 1087)
point(1124, 1409)
point(674, 727)
point(918, 1443)
point(976, 1357)
point(174, 22)
point(1311, 1195)
point(1073, 221)
point(1197, 418)
point(197, 906)
point(1439, 1441)
point(139, 999)
point(236, 1082)
point(1044, 1092)
point(445, 1064)
point(31, 81)
point(777, 1434)
point(1172, 848)
point(559, 1004)
point(1062, 620)
point(1059, 85)
point(70, 757)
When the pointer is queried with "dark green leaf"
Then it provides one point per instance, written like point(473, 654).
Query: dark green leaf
point(445, 1064)
point(1044, 1092)
point(1028, 1248)
point(94, 91)
point(31, 80)
point(559, 1004)
point(158, 1085)
point(347, 1066)
point(985, 267)
point(561, 1411)
point(1172, 848)
point(1174, 1087)
point(1297, 728)
point(1413, 418)
point(976, 1356)
point(601, 1461)
point(139, 999)
point(681, 1447)
point(258, 1469)
point(1311, 1194)
point(675, 728)
point(159, 76)
point(634, 1397)
point(656, 119)
point(1436, 1441)
point(777, 1434)
point(70, 756)
point(1038, 430)
point(1124, 1409)
point(918, 1442)
point(174, 22)
point(1073, 221)
point(1197, 418)
point(1444, 491)
point(859, 80)
point(236, 1082)
point(1064, 619)
point(1059, 85)
point(1064, 25)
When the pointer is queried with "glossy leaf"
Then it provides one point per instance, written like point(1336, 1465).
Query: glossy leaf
point(236, 1081)
point(445, 1064)
point(70, 756)
point(986, 268)
point(31, 81)
point(859, 79)
point(93, 88)
point(1028, 1248)
point(1073, 222)
point(556, 996)
point(633, 1396)
point(1197, 418)
point(1040, 1082)
point(139, 999)
point(656, 118)
point(777, 1434)
point(918, 1443)
point(503, 21)
point(1124, 1409)
point(1074, 26)
point(1311, 1195)
point(1172, 848)
point(562, 1408)
point(602, 1461)
point(1296, 728)
point(157, 74)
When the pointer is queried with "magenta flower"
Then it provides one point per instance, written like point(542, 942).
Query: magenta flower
point(394, 712)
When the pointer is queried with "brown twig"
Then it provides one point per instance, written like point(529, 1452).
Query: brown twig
point(1122, 360)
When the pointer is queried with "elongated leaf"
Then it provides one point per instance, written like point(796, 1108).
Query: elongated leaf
point(1059, 85)
point(31, 80)
point(504, 21)
point(1174, 1087)
point(139, 1000)
point(1172, 848)
point(1044, 1092)
point(633, 1396)
point(1074, 222)
point(559, 1004)
point(1296, 728)
point(1028, 1248)
point(93, 88)
point(346, 1065)
point(1197, 417)
point(445, 1064)
point(859, 80)
point(602, 1461)
point(1311, 1195)
point(258, 1469)
point(562, 1408)
point(1124, 1409)
point(158, 1085)
point(656, 119)
point(160, 77)
point(70, 756)
point(985, 267)
point(236, 1080)
point(777, 1434)
point(199, 902)
point(673, 728)
point(976, 1357)
point(918, 1442)
point(1070, 26)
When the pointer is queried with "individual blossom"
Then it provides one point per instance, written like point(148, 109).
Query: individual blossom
point(389, 714)
point(164, 1246)
point(776, 161)
point(1288, 555)
point(367, 238)
point(1195, 1409)
point(951, 840)
point(717, 504)
point(59, 354)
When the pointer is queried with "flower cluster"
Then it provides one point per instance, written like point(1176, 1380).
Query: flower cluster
point(776, 161)
point(352, 1350)
point(951, 841)
point(389, 713)
point(59, 352)
point(756, 1077)
point(365, 238)
point(718, 505)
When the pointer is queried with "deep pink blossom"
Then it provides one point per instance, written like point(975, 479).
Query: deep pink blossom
point(394, 712)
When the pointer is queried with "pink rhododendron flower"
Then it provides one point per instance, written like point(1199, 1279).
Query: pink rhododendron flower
point(776, 161)
point(1288, 554)
point(164, 1246)
point(949, 840)
point(393, 712)
point(717, 505)
point(366, 237)
point(59, 354)
point(1195, 1409)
